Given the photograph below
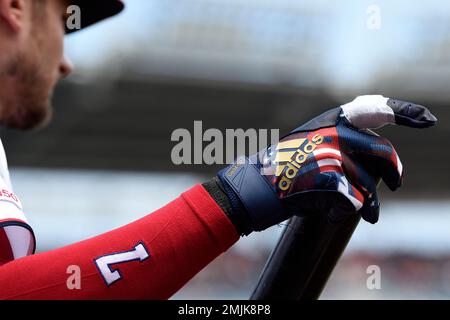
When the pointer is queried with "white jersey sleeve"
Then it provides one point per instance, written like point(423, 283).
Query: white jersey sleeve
point(16, 236)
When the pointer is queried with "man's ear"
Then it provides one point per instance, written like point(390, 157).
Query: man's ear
point(12, 12)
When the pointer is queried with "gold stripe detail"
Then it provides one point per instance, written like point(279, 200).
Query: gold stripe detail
point(290, 144)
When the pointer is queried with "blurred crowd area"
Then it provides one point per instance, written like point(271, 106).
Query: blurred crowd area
point(163, 64)
point(404, 276)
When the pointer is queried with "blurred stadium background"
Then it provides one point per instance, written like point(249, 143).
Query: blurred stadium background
point(105, 160)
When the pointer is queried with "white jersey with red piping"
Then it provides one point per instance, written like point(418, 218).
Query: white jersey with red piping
point(16, 236)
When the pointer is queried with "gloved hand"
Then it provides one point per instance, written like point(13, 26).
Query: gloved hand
point(331, 163)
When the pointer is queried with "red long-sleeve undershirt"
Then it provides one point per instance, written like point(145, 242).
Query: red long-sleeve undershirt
point(151, 258)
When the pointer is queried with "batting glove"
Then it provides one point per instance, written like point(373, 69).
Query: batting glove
point(333, 163)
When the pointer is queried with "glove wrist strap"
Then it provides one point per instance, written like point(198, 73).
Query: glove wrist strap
point(256, 194)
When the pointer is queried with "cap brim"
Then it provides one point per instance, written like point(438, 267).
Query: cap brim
point(93, 11)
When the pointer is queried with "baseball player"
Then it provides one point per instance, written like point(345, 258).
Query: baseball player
point(332, 162)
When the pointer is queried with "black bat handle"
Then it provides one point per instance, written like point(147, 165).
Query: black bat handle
point(304, 258)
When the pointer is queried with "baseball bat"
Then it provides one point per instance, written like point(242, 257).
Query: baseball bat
point(304, 258)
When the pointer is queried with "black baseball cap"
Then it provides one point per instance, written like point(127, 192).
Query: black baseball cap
point(93, 11)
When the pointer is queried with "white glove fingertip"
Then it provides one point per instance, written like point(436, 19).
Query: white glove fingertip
point(369, 112)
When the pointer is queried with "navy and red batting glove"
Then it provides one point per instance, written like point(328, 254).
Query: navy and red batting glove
point(332, 163)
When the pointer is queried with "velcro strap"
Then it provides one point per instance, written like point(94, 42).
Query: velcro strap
point(255, 192)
